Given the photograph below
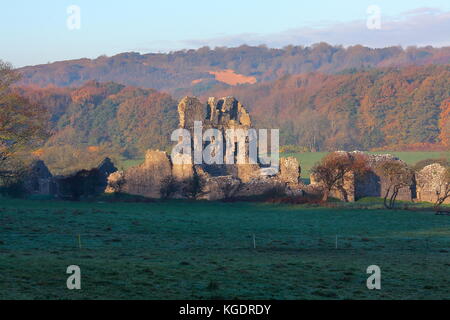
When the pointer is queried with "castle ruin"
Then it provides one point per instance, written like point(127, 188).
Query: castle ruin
point(161, 176)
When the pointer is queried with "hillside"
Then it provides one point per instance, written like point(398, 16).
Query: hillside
point(397, 109)
point(384, 107)
point(198, 71)
point(102, 119)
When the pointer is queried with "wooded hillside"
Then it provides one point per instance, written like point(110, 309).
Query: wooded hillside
point(383, 107)
point(395, 108)
point(196, 70)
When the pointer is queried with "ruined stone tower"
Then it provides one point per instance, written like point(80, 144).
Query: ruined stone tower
point(162, 175)
point(224, 113)
point(221, 114)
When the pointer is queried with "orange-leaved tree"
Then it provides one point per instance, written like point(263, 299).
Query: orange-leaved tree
point(332, 170)
point(22, 124)
point(444, 123)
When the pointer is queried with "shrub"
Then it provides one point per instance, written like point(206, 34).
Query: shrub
point(294, 149)
point(168, 187)
point(12, 186)
point(333, 168)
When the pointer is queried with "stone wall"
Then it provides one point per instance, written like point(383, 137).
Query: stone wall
point(370, 184)
point(431, 183)
point(38, 179)
point(84, 183)
point(151, 179)
point(190, 109)
point(289, 170)
point(179, 178)
point(158, 178)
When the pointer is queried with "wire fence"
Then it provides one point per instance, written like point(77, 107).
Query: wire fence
point(250, 241)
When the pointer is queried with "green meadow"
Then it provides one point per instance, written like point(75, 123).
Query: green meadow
point(221, 250)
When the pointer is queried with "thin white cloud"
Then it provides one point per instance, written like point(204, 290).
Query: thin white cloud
point(422, 26)
point(423, 10)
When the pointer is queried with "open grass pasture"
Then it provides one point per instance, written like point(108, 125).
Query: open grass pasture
point(201, 250)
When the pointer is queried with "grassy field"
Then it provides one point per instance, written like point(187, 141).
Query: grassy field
point(308, 159)
point(200, 250)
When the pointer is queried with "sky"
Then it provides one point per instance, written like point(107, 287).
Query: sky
point(37, 32)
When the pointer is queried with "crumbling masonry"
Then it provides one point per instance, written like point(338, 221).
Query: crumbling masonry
point(162, 177)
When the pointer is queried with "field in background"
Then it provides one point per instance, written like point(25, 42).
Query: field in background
point(308, 159)
point(206, 250)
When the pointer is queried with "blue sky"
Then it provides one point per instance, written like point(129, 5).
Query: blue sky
point(34, 32)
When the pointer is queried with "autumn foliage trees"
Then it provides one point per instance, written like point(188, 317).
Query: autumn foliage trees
point(22, 123)
point(444, 123)
point(384, 108)
point(405, 108)
point(99, 120)
point(333, 170)
point(391, 107)
point(179, 70)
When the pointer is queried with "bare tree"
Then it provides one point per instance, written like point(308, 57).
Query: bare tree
point(332, 170)
point(397, 175)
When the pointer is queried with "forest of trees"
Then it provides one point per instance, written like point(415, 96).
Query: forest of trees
point(178, 72)
point(396, 108)
point(391, 108)
point(23, 126)
point(102, 119)
point(322, 98)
